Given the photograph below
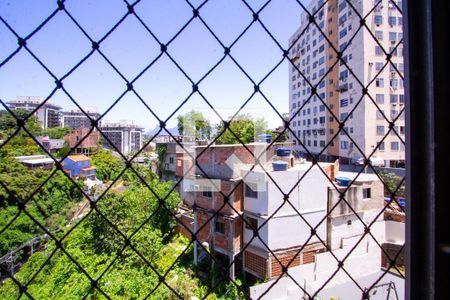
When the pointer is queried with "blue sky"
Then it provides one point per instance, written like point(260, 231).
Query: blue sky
point(61, 45)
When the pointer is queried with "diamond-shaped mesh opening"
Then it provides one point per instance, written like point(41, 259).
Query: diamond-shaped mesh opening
point(220, 189)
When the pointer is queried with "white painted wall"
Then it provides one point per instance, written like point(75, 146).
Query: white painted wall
point(286, 228)
point(363, 261)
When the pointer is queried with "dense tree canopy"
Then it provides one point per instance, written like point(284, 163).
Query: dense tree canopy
point(57, 132)
point(136, 214)
point(244, 127)
point(194, 124)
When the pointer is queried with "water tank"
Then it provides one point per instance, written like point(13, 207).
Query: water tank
point(279, 165)
point(343, 181)
point(265, 138)
point(283, 151)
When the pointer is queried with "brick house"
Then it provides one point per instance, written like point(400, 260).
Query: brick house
point(87, 145)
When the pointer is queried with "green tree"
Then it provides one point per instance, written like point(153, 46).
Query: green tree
point(57, 132)
point(244, 127)
point(392, 181)
point(194, 124)
point(108, 166)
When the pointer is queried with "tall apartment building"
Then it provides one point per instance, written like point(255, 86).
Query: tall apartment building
point(48, 115)
point(340, 90)
point(124, 135)
point(75, 118)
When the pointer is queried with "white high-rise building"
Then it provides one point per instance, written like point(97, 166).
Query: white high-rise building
point(125, 135)
point(48, 114)
point(368, 118)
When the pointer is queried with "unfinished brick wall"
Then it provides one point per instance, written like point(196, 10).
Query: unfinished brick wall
point(183, 165)
point(208, 234)
point(239, 196)
point(308, 255)
point(255, 263)
point(285, 259)
point(216, 201)
point(188, 222)
point(203, 220)
point(78, 134)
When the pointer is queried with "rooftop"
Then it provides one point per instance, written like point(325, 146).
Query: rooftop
point(79, 157)
point(363, 177)
point(35, 159)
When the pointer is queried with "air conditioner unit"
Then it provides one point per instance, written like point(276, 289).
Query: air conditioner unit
point(391, 6)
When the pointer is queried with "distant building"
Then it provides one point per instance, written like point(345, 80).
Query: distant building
point(36, 162)
point(87, 145)
point(126, 136)
point(79, 166)
point(51, 145)
point(75, 118)
point(48, 115)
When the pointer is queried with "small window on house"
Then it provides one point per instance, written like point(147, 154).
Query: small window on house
point(252, 223)
point(220, 227)
point(251, 190)
point(367, 193)
point(171, 160)
point(207, 191)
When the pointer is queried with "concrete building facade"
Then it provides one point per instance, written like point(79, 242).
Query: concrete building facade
point(126, 136)
point(48, 115)
point(330, 94)
point(75, 118)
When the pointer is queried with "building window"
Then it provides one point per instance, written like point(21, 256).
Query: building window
point(379, 82)
point(219, 227)
point(344, 102)
point(378, 66)
point(367, 193)
point(379, 98)
point(378, 20)
point(379, 115)
point(251, 190)
point(394, 146)
point(380, 130)
point(381, 146)
point(393, 83)
point(344, 145)
point(378, 51)
point(392, 20)
point(252, 223)
point(342, 5)
point(394, 99)
point(207, 191)
point(393, 36)
point(379, 35)
point(171, 160)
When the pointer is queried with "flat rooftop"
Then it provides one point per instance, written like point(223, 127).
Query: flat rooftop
point(363, 177)
point(38, 161)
